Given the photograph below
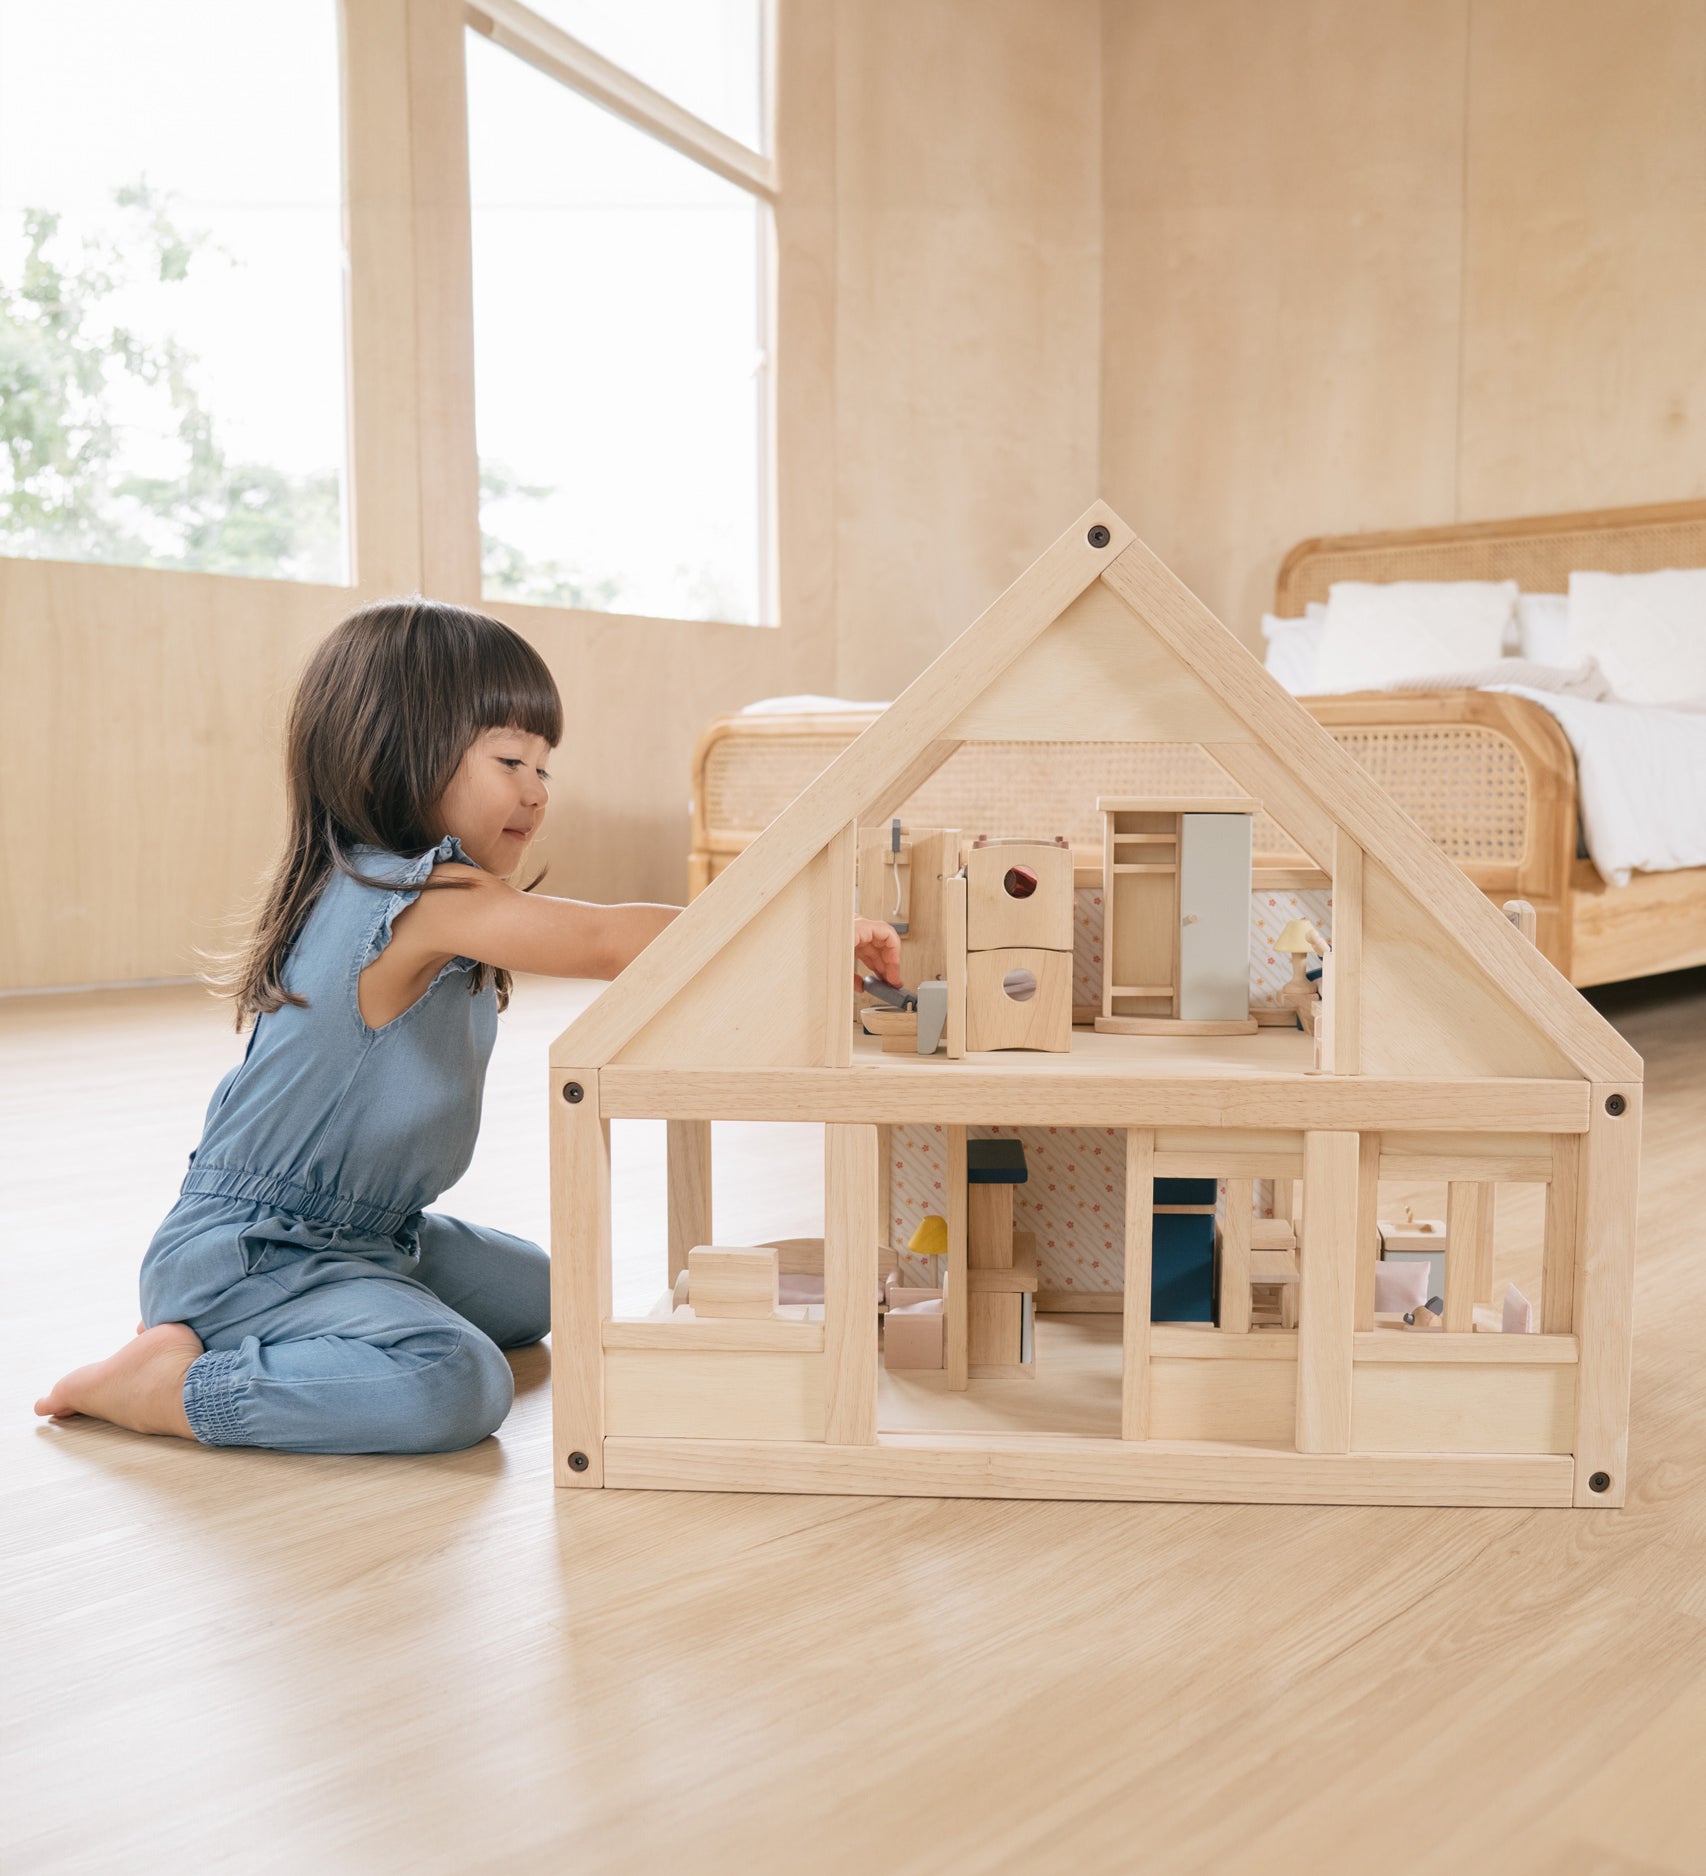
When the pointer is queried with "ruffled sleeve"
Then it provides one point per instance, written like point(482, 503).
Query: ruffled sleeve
point(404, 877)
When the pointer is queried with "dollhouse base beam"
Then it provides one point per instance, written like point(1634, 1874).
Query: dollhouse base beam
point(1061, 1467)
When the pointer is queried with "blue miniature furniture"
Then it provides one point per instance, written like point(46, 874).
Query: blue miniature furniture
point(1182, 1287)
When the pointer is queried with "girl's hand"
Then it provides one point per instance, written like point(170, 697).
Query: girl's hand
point(877, 947)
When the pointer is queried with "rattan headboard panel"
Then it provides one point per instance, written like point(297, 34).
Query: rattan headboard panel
point(1539, 552)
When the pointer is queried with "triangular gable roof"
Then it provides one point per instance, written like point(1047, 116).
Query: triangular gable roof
point(1098, 640)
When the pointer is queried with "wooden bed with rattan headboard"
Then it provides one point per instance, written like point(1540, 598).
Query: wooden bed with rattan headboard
point(1491, 778)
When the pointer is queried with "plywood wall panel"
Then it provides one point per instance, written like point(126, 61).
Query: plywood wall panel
point(1397, 265)
point(140, 717)
point(967, 356)
point(1584, 307)
point(1283, 189)
point(1428, 1012)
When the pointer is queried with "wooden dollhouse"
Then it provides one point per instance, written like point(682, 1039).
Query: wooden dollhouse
point(1445, 1048)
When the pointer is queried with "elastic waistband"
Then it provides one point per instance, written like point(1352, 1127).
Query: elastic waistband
point(317, 1204)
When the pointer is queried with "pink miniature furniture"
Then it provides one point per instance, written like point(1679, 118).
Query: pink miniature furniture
point(1399, 1286)
point(913, 1333)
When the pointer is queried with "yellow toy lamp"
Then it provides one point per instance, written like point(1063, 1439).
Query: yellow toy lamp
point(931, 1237)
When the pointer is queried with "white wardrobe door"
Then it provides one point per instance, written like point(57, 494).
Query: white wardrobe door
point(1214, 912)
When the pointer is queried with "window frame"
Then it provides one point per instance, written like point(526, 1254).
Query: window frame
point(558, 55)
point(347, 467)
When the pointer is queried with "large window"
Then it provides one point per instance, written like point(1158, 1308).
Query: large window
point(620, 318)
point(172, 285)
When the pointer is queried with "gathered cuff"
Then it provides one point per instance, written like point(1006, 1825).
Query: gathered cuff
point(211, 1388)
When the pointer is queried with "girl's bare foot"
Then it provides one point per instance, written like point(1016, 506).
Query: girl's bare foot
point(141, 1387)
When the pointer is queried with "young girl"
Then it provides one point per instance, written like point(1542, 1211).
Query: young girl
point(299, 1295)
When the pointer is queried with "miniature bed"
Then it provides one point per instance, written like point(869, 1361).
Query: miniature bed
point(1490, 777)
point(1444, 1046)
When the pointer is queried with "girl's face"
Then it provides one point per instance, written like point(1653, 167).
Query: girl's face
point(496, 799)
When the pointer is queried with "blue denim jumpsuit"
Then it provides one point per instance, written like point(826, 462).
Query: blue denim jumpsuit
point(338, 1315)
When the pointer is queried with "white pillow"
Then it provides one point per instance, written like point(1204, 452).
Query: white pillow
point(1376, 635)
point(1648, 631)
point(805, 704)
point(1294, 647)
point(1544, 622)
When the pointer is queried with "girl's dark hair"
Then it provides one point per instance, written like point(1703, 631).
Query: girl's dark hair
point(390, 703)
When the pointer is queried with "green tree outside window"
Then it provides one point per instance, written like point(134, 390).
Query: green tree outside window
point(65, 490)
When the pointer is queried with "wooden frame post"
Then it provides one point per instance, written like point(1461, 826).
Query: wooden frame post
point(1558, 1246)
point(1341, 1050)
point(1368, 1226)
point(850, 1284)
point(1139, 1281)
point(956, 1284)
point(839, 858)
point(1468, 1251)
point(1235, 1256)
point(687, 1159)
point(580, 1275)
point(1327, 1308)
point(449, 466)
point(954, 932)
point(885, 1184)
point(1605, 1291)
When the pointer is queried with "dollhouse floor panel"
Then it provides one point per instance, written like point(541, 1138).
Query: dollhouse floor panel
point(1075, 1389)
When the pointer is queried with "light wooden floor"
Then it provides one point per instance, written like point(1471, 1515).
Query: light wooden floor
point(262, 1662)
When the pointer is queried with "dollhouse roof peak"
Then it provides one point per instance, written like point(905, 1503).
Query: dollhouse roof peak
point(1097, 641)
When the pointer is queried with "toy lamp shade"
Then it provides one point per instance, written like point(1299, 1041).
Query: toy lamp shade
point(1300, 935)
point(931, 1237)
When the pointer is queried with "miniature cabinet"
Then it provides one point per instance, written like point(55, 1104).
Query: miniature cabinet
point(1176, 916)
point(1018, 956)
point(1001, 1263)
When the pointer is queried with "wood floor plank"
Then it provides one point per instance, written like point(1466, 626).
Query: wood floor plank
point(441, 1664)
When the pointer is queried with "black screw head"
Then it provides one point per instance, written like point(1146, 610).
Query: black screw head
point(573, 1091)
point(1600, 1482)
point(1615, 1104)
point(578, 1462)
point(1099, 536)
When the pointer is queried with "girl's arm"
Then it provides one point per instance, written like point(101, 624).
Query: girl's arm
point(526, 931)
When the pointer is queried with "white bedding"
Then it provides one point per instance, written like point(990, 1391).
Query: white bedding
point(1640, 781)
point(1640, 768)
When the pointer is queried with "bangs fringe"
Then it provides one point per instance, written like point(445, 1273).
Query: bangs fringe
point(514, 690)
